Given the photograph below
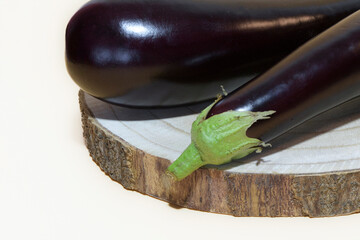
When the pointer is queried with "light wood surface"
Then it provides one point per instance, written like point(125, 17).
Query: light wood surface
point(314, 170)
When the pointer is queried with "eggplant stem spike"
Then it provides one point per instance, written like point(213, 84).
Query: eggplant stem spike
point(218, 140)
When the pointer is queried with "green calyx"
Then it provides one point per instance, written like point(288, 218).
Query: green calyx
point(218, 140)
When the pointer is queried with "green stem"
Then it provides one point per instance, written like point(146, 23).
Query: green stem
point(189, 161)
point(218, 140)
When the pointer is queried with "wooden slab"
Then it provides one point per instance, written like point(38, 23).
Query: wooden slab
point(314, 170)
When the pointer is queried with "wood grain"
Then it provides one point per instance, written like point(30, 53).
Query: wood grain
point(314, 170)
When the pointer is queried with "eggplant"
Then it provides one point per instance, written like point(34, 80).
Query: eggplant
point(321, 74)
point(173, 52)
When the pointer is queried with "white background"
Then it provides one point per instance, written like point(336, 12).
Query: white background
point(49, 186)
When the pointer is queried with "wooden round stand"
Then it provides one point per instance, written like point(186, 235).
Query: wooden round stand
point(314, 170)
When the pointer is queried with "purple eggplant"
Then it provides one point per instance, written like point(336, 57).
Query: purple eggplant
point(165, 52)
point(321, 74)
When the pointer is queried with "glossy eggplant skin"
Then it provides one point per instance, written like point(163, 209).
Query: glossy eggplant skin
point(116, 46)
point(321, 74)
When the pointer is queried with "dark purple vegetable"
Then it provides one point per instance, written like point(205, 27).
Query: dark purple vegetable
point(321, 74)
point(316, 77)
point(120, 49)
